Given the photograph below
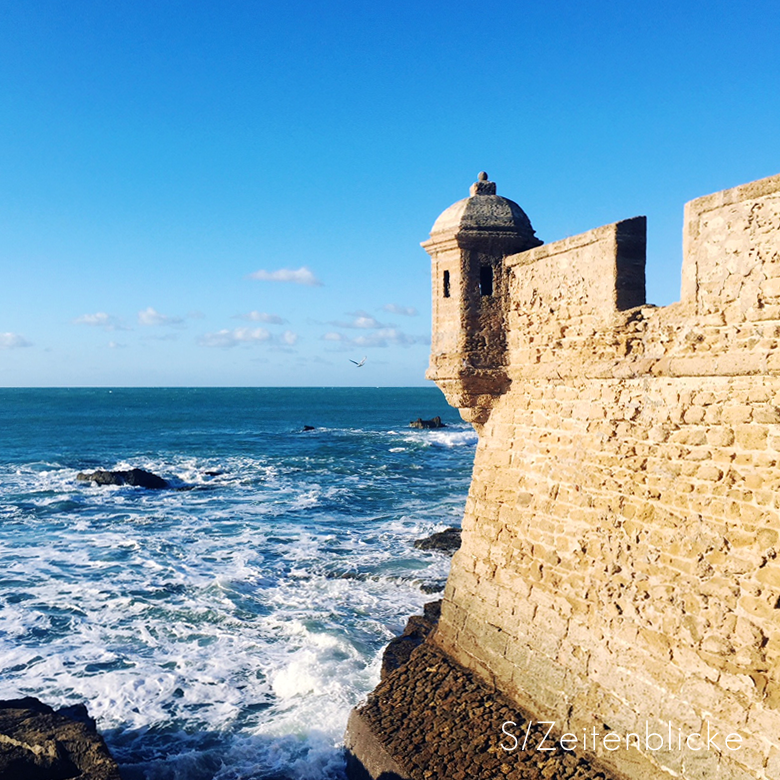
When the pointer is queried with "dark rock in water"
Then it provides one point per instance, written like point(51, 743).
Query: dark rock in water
point(134, 477)
point(432, 611)
point(437, 586)
point(418, 627)
point(435, 422)
point(446, 541)
point(37, 743)
point(308, 428)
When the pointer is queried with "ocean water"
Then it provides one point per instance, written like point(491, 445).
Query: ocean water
point(224, 630)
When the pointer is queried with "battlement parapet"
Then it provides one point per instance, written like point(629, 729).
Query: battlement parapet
point(593, 274)
point(731, 252)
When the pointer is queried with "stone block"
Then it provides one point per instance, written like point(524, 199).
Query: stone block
point(751, 437)
point(703, 765)
point(737, 414)
point(709, 472)
point(773, 763)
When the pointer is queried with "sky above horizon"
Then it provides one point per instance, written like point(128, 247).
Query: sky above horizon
point(233, 194)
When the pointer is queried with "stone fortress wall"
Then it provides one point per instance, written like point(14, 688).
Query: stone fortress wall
point(620, 566)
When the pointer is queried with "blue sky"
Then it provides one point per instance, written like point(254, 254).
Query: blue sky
point(233, 193)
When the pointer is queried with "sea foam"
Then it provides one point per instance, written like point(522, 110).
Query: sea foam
point(225, 628)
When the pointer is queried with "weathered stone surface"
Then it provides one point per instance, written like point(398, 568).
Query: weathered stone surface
point(433, 719)
point(134, 477)
point(367, 758)
point(37, 743)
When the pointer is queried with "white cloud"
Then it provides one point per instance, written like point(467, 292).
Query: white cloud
point(13, 341)
point(150, 316)
point(225, 339)
point(261, 316)
point(100, 320)
point(394, 308)
point(297, 276)
point(388, 336)
point(362, 320)
point(384, 337)
point(114, 345)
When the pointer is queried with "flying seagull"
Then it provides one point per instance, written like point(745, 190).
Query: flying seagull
point(356, 363)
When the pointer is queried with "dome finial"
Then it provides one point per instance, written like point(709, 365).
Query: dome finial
point(482, 186)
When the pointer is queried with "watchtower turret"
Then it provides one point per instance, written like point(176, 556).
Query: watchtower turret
point(468, 244)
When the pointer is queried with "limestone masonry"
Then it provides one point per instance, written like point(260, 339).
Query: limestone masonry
point(619, 567)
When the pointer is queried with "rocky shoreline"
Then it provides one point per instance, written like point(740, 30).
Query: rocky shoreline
point(39, 743)
point(431, 719)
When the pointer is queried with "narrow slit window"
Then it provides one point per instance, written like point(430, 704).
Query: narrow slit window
point(446, 284)
point(486, 280)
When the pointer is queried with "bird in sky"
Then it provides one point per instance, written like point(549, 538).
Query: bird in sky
point(356, 363)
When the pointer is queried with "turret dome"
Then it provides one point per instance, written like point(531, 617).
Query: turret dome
point(486, 213)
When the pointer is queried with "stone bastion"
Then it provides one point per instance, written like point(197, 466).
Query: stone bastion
point(619, 571)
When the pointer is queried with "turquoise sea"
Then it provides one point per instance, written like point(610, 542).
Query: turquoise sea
point(220, 631)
